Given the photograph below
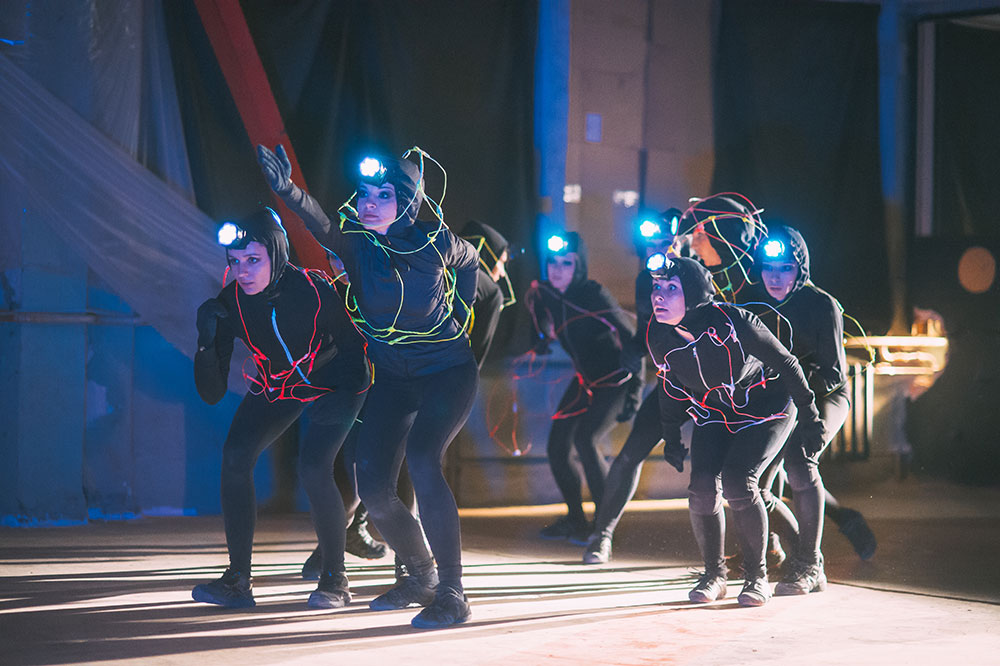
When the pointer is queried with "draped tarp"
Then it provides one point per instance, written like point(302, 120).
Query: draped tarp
point(152, 246)
point(796, 130)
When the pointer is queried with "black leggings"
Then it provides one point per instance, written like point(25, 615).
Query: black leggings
point(416, 417)
point(255, 426)
point(583, 433)
point(805, 528)
point(732, 463)
point(623, 477)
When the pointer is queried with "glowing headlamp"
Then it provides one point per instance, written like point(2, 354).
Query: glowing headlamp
point(774, 249)
point(557, 243)
point(372, 171)
point(230, 234)
point(657, 262)
point(648, 229)
point(674, 223)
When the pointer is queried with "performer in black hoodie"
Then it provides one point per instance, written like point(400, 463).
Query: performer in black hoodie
point(591, 327)
point(413, 284)
point(308, 356)
point(809, 322)
point(722, 231)
point(718, 365)
point(655, 236)
point(491, 298)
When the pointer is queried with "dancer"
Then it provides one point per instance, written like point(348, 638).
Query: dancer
point(809, 322)
point(718, 365)
point(491, 297)
point(308, 356)
point(655, 236)
point(413, 284)
point(592, 328)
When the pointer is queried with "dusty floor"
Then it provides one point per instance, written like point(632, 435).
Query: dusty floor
point(119, 592)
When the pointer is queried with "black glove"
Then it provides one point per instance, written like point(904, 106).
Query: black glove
point(541, 346)
point(631, 359)
point(675, 453)
point(209, 314)
point(631, 405)
point(810, 433)
point(277, 168)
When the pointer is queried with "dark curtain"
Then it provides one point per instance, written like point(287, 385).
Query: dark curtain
point(966, 130)
point(796, 130)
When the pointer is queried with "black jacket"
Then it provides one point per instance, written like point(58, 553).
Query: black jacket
point(309, 314)
point(489, 304)
point(402, 299)
point(727, 373)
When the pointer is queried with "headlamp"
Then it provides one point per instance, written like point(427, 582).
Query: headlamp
point(372, 171)
point(648, 229)
point(557, 244)
point(656, 262)
point(230, 234)
point(774, 249)
point(674, 223)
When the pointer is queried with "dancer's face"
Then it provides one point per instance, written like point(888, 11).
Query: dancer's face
point(499, 269)
point(252, 267)
point(376, 206)
point(701, 245)
point(560, 268)
point(668, 300)
point(779, 278)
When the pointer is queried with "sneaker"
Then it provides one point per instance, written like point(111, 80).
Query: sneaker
point(711, 587)
point(313, 566)
point(233, 590)
point(756, 591)
point(409, 590)
point(565, 528)
point(332, 592)
point(361, 543)
point(598, 550)
point(450, 606)
point(802, 578)
point(854, 526)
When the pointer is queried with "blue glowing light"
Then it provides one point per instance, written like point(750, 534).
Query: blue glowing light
point(557, 243)
point(229, 233)
point(774, 248)
point(371, 167)
point(656, 262)
point(674, 222)
point(648, 228)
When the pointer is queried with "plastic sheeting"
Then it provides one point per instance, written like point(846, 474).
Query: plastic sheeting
point(151, 245)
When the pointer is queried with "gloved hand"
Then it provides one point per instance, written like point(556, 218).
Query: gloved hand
point(675, 453)
point(542, 346)
point(631, 359)
point(277, 168)
point(811, 435)
point(209, 314)
point(631, 405)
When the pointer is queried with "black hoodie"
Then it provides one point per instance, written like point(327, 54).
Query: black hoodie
point(300, 306)
point(587, 320)
point(489, 295)
point(811, 322)
point(727, 373)
point(406, 298)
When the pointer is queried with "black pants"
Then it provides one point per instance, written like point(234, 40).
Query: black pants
point(808, 494)
point(732, 463)
point(415, 417)
point(255, 426)
point(582, 433)
point(623, 477)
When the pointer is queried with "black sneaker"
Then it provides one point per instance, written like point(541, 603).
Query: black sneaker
point(802, 578)
point(313, 565)
point(756, 591)
point(450, 606)
point(332, 592)
point(854, 526)
point(409, 590)
point(711, 587)
point(233, 590)
point(566, 527)
point(598, 550)
point(361, 543)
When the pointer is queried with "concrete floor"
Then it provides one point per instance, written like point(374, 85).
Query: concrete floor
point(120, 593)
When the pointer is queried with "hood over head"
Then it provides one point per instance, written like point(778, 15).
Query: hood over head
point(571, 242)
point(696, 280)
point(262, 226)
point(490, 243)
point(730, 226)
point(405, 177)
point(783, 243)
